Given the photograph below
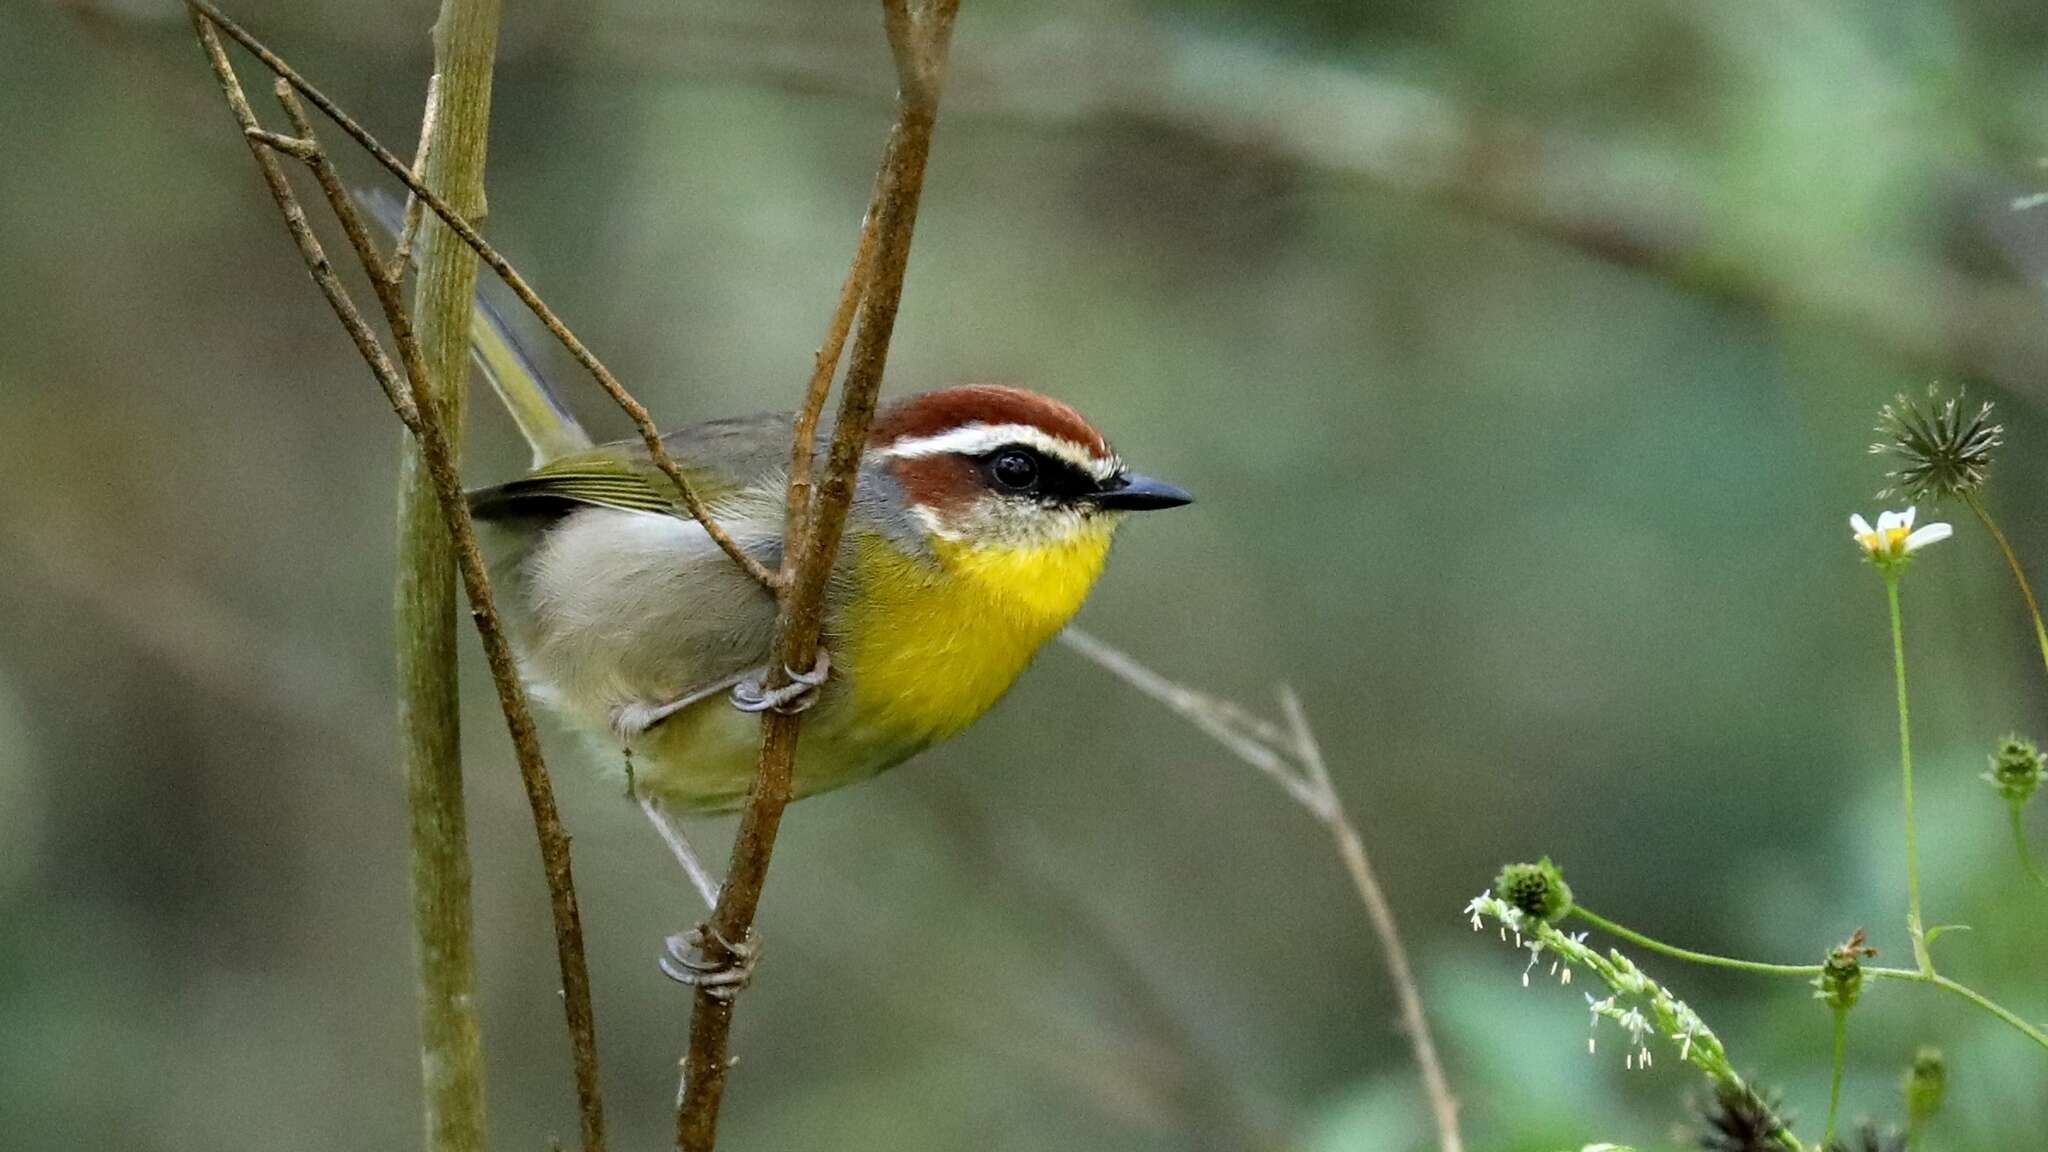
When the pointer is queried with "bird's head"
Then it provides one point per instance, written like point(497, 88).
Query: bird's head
point(986, 469)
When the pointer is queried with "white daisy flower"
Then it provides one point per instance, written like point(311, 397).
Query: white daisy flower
point(1894, 538)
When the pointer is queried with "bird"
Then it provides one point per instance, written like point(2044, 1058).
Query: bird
point(982, 516)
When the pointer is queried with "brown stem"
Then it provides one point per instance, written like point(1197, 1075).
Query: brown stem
point(1293, 757)
point(438, 458)
point(1351, 848)
point(2019, 574)
point(634, 410)
point(921, 40)
point(802, 449)
point(409, 226)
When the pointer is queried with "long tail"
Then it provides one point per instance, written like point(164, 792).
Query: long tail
point(549, 427)
point(551, 430)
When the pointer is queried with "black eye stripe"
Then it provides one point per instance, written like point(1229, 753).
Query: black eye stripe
point(1055, 479)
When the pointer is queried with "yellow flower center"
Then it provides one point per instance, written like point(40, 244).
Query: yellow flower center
point(1884, 541)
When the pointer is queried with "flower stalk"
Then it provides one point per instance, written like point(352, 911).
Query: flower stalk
point(1921, 958)
point(2019, 574)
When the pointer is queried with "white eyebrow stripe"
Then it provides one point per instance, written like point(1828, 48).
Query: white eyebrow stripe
point(978, 438)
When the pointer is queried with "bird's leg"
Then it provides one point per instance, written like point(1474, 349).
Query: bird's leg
point(749, 695)
point(679, 845)
point(634, 717)
point(688, 959)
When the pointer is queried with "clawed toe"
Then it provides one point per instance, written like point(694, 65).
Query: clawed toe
point(721, 972)
point(750, 695)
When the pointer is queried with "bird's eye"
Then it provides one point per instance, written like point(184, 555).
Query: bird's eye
point(1014, 469)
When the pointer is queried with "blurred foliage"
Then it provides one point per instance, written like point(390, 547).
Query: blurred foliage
point(1554, 548)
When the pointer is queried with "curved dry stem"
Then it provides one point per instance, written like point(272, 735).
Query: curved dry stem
point(643, 423)
point(1293, 758)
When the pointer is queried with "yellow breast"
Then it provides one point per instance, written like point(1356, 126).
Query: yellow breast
point(931, 647)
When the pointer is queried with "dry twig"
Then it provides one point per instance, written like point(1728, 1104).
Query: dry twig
point(920, 40)
point(1292, 757)
point(634, 410)
point(405, 395)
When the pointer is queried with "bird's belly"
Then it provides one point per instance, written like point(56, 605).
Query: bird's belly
point(918, 654)
point(703, 759)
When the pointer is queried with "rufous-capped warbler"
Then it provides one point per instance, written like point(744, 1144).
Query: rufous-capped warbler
point(981, 518)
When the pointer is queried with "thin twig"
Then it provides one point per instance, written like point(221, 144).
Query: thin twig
point(803, 449)
point(409, 230)
point(1293, 758)
point(1351, 846)
point(438, 456)
point(800, 618)
point(1221, 720)
point(634, 410)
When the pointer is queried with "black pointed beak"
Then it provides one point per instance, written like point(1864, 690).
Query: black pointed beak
point(1131, 492)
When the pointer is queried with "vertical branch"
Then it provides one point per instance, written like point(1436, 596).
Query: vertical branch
point(451, 1055)
point(920, 41)
point(803, 449)
point(438, 459)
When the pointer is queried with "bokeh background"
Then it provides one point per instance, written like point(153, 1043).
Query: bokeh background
point(1523, 356)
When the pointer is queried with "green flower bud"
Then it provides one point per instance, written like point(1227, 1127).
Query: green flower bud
point(1925, 1085)
point(1537, 890)
point(1840, 982)
point(2015, 770)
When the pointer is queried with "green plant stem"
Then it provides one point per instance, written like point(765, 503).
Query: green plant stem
point(1910, 975)
point(451, 1055)
point(1827, 1140)
point(1967, 993)
point(2019, 574)
point(1687, 954)
point(2019, 843)
point(1913, 921)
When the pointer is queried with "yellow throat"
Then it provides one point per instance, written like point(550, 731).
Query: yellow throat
point(931, 648)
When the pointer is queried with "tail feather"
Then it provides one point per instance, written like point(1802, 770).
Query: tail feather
point(548, 425)
point(551, 430)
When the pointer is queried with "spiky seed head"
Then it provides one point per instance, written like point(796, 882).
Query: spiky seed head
point(2016, 770)
point(1742, 1120)
point(1536, 890)
point(1943, 446)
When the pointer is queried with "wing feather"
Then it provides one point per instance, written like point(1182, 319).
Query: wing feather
point(719, 458)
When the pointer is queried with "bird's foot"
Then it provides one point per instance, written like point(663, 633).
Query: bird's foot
point(750, 695)
point(721, 972)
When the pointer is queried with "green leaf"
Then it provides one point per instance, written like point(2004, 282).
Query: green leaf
point(1938, 929)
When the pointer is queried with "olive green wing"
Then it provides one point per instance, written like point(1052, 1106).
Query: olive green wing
point(718, 458)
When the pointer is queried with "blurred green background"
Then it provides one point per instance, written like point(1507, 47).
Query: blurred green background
point(1523, 356)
